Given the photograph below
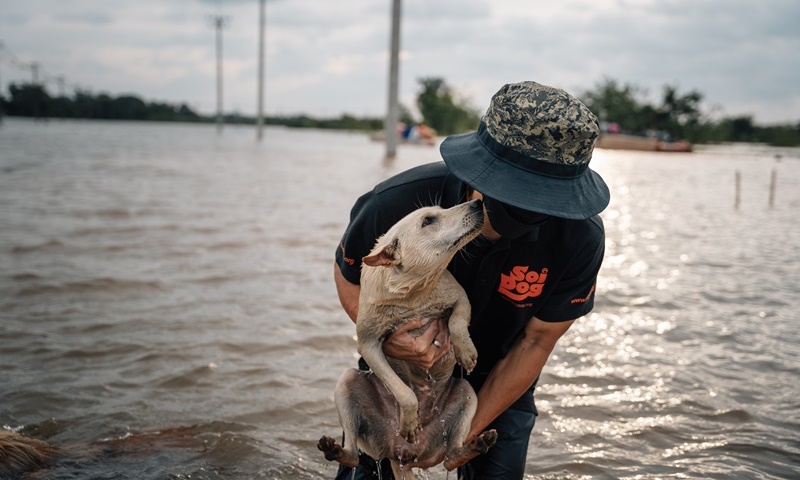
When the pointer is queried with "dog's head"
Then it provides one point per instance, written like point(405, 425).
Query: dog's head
point(421, 244)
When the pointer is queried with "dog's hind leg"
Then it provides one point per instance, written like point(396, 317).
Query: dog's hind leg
point(349, 420)
point(478, 446)
point(19, 454)
point(457, 453)
point(405, 397)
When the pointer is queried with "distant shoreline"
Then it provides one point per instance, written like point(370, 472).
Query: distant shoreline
point(344, 122)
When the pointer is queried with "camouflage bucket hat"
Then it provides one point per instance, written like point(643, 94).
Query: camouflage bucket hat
point(532, 151)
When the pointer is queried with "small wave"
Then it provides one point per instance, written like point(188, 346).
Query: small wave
point(25, 277)
point(127, 230)
point(97, 285)
point(47, 246)
point(214, 280)
point(116, 349)
point(736, 416)
point(116, 213)
point(188, 379)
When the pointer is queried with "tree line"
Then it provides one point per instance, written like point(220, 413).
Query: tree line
point(678, 114)
point(30, 100)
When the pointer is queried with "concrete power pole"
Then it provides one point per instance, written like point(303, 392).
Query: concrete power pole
point(2, 113)
point(35, 73)
point(61, 82)
point(219, 23)
point(261, 26)
point(393, 110)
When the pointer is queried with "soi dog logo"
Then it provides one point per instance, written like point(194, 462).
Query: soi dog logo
point(521, 283)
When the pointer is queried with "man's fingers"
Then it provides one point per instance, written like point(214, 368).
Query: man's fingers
point(443, 346)
point(416, 326)
point(423, 341)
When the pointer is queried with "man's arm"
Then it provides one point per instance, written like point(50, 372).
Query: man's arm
point(348, 293)
point(516, 372)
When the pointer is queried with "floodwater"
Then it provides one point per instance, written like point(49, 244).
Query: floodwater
point(167, 308)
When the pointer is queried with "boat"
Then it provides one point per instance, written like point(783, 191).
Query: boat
point(622, 141)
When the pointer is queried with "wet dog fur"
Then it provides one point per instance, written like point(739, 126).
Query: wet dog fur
point(19, 454)
point(414, 417)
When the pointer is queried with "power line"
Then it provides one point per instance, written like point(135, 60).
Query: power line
point(39, 75)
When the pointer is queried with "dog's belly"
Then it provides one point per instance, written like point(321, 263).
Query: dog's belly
point(443, 408)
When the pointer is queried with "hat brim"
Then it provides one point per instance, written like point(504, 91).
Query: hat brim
point(576, 198)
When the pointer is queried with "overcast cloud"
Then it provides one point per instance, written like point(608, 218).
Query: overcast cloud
point(329, 57)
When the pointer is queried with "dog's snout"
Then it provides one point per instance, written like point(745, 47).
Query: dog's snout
point(476, 204)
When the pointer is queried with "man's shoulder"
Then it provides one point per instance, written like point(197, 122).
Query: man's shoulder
point(578, 233)
point(592, 225)
point(595, 225)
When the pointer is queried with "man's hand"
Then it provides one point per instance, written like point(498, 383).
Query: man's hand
point(422, 341)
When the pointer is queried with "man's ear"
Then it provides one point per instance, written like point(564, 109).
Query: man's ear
point(384, 257)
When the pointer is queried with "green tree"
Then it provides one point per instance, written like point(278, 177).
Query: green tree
point(441, 110)
point(740, 129)
point(682, 112)
point(28, 100)
point(128, 107)
point(679, 114)
point(613, 102)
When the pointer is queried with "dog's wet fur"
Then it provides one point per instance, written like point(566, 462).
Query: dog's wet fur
point(397, 410)
point(21, 455)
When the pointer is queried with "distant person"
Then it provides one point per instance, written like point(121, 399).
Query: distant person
point(403, 130)
point(425, 132)
point(529, 277)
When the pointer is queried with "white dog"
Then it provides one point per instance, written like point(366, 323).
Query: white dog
point(414, 417)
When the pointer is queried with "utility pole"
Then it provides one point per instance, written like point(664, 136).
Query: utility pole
point(393, 110)
point(261, 26)
point(219, 23)
point(35, 73)
point(60, 80)
point(2, 113)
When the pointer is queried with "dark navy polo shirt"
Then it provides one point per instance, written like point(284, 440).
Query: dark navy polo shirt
point(549, 274)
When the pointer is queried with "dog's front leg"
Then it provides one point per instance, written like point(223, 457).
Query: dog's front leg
point(458, 324)
point(372, 352)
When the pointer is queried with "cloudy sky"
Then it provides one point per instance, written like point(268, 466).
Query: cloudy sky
point(327, 57)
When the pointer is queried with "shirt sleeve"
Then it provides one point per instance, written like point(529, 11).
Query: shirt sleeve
point(573, 296)
point(359, 237)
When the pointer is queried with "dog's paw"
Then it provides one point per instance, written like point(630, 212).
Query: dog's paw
point(483, 442)
point(405, 452)
point(466, 356)
point(411, 432)
point(334, 452)
point(331, 449)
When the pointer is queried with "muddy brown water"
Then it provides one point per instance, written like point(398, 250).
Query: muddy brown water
point(159, 276)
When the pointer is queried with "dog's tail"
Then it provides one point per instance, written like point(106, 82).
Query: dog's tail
point(20, 454)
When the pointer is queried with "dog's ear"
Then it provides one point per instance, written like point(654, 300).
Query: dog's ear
point(384, 257)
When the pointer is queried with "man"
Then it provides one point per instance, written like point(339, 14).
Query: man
point(529, 277)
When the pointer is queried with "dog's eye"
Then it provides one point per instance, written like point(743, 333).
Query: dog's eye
point(427, 221)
